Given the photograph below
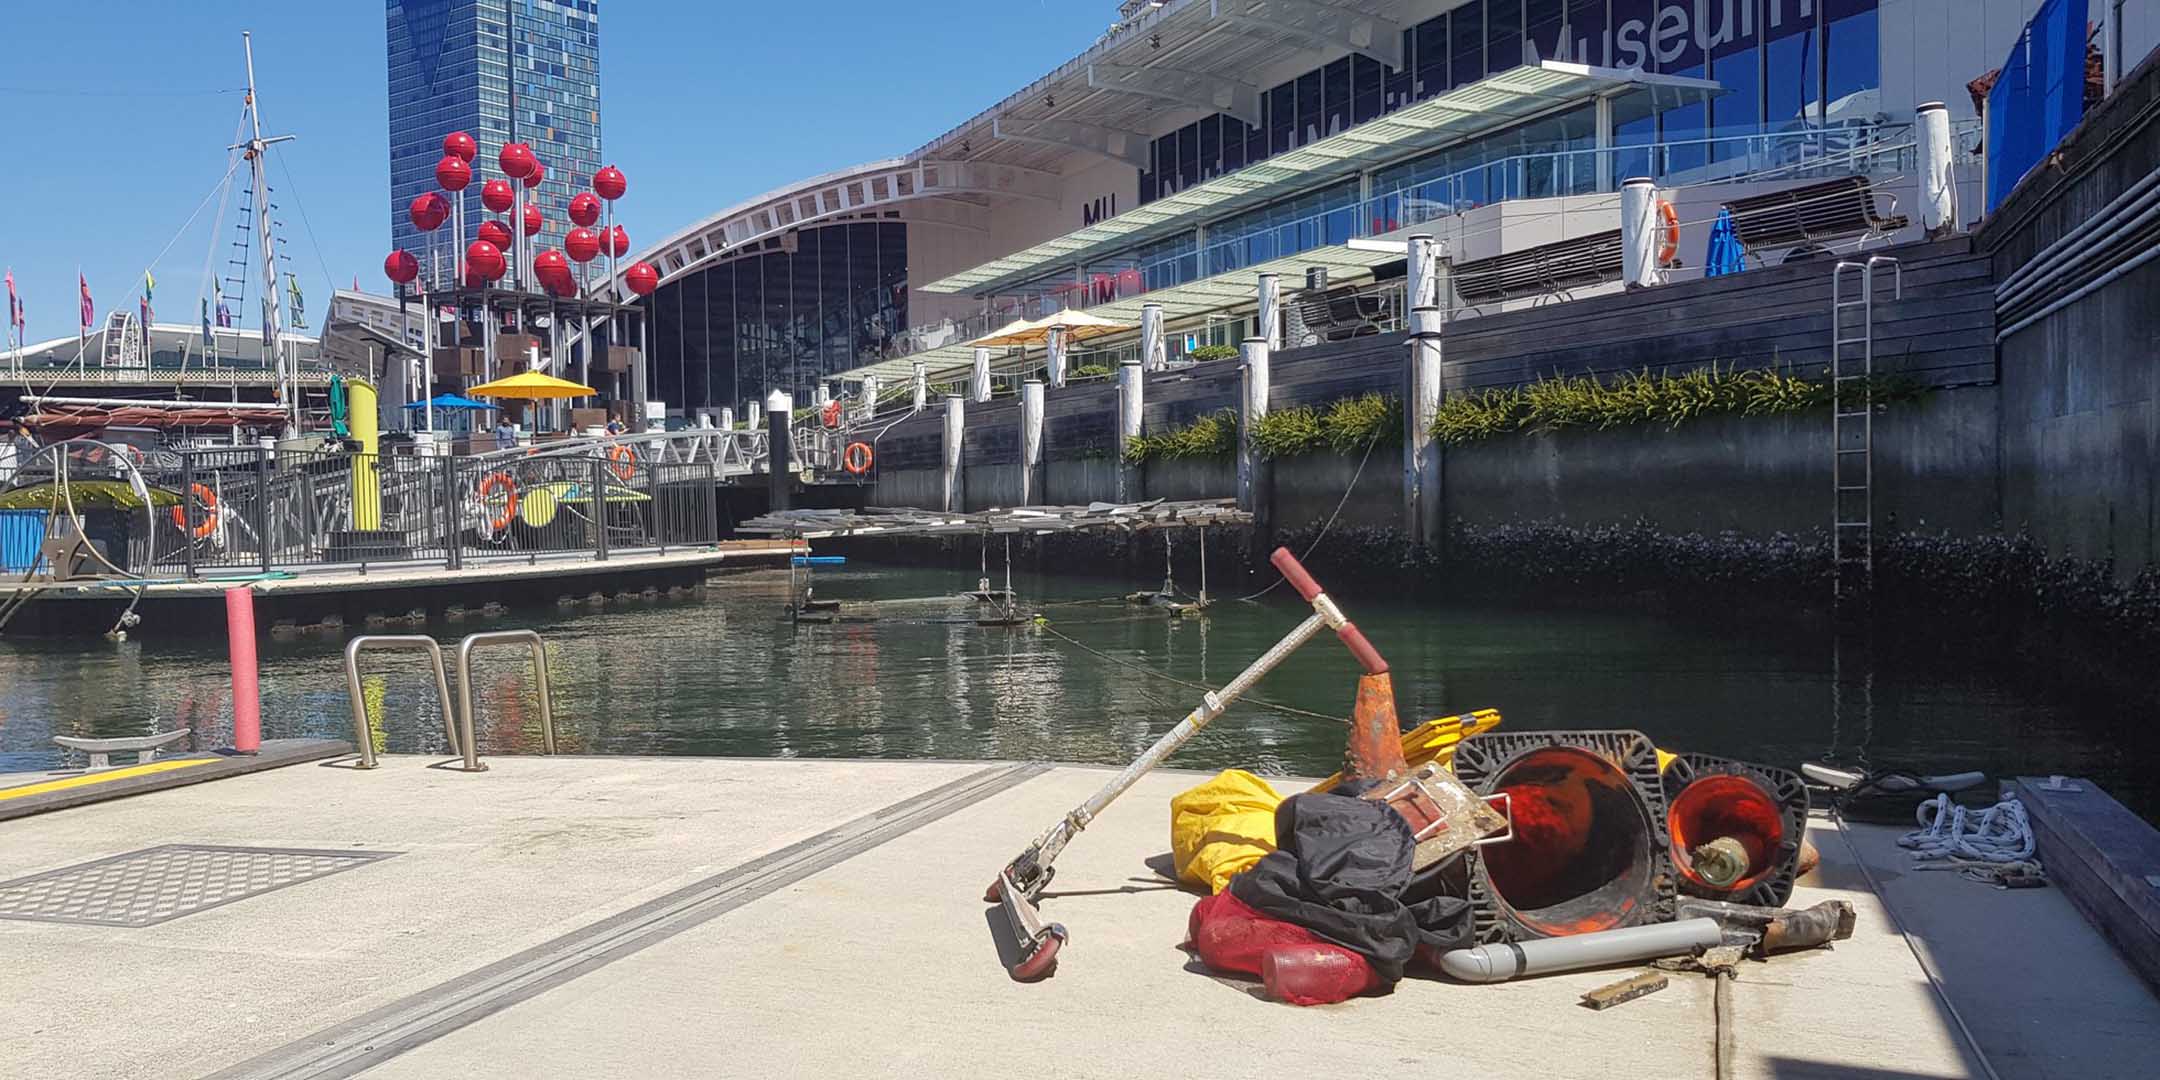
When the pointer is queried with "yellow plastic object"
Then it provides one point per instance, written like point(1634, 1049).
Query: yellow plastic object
point(1665, 758)
point(1222, 827)
point(1435, 740)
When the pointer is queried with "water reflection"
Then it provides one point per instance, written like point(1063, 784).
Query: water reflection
point(730, 675)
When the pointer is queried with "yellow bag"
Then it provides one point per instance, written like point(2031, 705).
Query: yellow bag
point(1222, 827)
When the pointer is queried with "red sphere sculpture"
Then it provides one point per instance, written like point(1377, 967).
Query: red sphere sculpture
point(617, 242)
point(497, 195)
point(484, 261)
point(642, 278)
point(533, 220)
point(610, 183)
point(582, 244)
point(452, 174)
point(428, 211)
point(461, 146)
point(496, 233)
point(538, 173)
point(585, 209)
point(400, 266)
point(516, 160)
point(550, 263)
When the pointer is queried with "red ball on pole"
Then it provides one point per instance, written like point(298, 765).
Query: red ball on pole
point(452, 174)
point(497, 195)
point(582, 244)
point(585, 209)
point(459, 145)
point(485, 260)
point(610, 183)
point(400, 267)
point(538, 173)
point(428, 211)
point(516, 160)
point(495, 232)
point(533, 220)
point(617, 242)
point(642, 278)
point(550, 263)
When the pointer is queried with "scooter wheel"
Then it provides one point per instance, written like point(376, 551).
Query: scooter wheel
point(1038, 964)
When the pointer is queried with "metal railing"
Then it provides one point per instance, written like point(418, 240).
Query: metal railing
point(540, 678)
point(461, 741)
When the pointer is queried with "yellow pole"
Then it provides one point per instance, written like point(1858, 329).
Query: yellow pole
point(366, 482)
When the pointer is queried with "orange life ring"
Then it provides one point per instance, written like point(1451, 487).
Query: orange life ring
point(856, 459)
point(832, 414)
point(500, 481)
point(208, 500)
point(622, 461)
point(1671, 223)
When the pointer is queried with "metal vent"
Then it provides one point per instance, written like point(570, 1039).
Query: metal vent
point(142, 888)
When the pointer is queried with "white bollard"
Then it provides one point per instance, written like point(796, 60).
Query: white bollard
point(1638, 233)
point(1154, 354)
point(727, 417)
point(1255, 387)
point(1131, 380)
point(955, 434)
point(1031, 433)
point(979, 382)
point(1938, 177)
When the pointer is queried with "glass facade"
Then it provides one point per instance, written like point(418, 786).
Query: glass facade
point(822, 301)
point(451, 66)
point(1780, 61)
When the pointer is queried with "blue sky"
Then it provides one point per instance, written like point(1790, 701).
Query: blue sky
point(117, 115)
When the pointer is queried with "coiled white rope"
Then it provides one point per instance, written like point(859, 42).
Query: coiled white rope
point(1999, 834)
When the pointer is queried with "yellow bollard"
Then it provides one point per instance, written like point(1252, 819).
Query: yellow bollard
point(366, 481)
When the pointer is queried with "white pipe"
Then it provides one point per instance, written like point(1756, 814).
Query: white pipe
point(1031, 432)
point(1270, 310)
point(1938, 180)
point(1255, 406)
point(1153, 355)
point(2136, 192)
point(979, 384)
point(955, 438)
point(1131, 382)
point(2092, 287)
point(2036, 285)
point(1546, 956)
point(1420, 274)
point(1054, 357)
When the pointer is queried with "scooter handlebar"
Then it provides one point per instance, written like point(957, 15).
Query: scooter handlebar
point(1354, 639)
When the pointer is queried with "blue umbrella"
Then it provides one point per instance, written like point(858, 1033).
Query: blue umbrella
point(449, 401)
point(1725, 256)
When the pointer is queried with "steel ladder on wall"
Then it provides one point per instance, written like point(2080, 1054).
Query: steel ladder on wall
point(1852, 425)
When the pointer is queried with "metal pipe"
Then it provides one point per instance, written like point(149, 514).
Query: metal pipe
point(2090, 288)
point(1054, 356)
point(1638, 232)
point(407, 642)
point(1154, 355)
point(1499, 963)
point(246, 690)
point(1269, 311)
point(540, 680)
point(1031, 432)
point(1421, 452)
point(979, 382)
point(955, 435)
point(1255, 393)
point(2090, 245)
point(2135, 193)
point(1131, 383)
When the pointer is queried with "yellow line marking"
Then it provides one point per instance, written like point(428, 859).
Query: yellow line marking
point(100, 777)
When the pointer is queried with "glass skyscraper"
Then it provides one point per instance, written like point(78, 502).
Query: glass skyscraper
point(502, 70)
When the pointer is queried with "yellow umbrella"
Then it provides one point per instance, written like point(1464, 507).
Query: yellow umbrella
point(533, 385)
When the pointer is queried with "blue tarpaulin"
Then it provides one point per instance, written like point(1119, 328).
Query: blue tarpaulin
point(2038, 98)
point(1725, 256)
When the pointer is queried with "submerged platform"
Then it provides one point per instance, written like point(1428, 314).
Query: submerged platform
point(355, 595)
point(586, 917)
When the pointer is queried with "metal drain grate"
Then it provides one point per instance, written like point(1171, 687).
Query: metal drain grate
point(150, 886)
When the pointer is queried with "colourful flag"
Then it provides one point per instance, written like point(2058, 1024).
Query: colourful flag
point(207, 342)
point(299, 304)
point(88, 310)
point(15, 309)
point(224, 314)
point(149, 286)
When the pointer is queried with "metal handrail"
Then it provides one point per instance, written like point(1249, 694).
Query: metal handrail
point(460, 741)
point(540, 676)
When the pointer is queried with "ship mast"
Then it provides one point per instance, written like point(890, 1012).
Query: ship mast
point(288, 390)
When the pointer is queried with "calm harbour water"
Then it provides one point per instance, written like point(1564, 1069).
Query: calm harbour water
point(729, 675)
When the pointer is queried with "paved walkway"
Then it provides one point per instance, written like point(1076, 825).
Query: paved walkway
point(638, 917)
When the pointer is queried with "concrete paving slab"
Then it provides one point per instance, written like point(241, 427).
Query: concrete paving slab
point(886, 965)
point(2043, 993)
point(491, 864)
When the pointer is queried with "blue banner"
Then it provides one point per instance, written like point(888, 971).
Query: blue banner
point(2038, 98)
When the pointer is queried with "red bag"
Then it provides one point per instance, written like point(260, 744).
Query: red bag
point(1293, 962)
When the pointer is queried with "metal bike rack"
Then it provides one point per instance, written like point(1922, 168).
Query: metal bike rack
point(460, 741)
point(540, 675)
